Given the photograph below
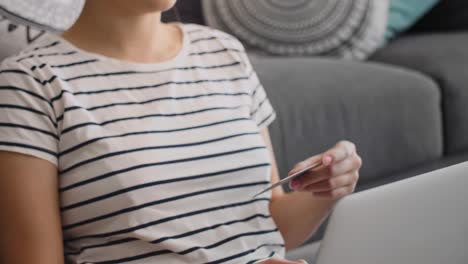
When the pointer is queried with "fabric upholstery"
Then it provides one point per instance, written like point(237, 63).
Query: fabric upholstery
point(444, 57)
point(188, 11)
point(403, 14)
point(307, 252)
point(54, 15)
point(392, 115)
point(14, 37)
point(448, 15)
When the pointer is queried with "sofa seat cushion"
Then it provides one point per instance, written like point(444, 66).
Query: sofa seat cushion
point(393, 115)
point(308, 252)
point(444, 57)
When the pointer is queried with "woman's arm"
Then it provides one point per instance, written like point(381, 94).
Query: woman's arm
point(299, 214)
point(29, 204)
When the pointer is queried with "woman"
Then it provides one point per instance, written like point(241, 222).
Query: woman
point(155, 136)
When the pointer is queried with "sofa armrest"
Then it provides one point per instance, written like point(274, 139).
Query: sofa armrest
point(393, 115)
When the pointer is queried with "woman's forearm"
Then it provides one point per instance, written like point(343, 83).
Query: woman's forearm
point(298, 215)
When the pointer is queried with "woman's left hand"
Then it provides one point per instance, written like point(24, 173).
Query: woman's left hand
point(336, 178)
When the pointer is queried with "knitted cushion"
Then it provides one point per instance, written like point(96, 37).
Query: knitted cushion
point(343, 28)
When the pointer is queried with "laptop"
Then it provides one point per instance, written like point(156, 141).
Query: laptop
point(421, 220)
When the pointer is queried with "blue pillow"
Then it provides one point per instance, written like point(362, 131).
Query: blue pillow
point(404, 13)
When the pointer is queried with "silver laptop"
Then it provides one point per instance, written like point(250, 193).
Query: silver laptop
point(421, 220)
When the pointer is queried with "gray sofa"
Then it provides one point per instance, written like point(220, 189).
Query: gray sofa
point(405, 108)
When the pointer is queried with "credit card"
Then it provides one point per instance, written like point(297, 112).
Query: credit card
point(288, 179)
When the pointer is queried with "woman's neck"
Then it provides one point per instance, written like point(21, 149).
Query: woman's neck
point(120, 34)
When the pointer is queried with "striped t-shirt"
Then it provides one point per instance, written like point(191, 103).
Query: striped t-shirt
point(158, 163)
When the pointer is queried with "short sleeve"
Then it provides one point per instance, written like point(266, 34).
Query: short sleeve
point(261, 110)
point(27, 120)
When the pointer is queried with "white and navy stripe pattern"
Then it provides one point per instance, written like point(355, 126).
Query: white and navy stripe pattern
point(158, 163)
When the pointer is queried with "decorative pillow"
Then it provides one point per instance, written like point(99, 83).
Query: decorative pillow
point(448, 15)
point(405, 13)
point(15, 37)
point(56, 15)
point(350, 29)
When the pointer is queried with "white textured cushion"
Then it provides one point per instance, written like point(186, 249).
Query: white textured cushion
point(57, 15)
point(15, 37)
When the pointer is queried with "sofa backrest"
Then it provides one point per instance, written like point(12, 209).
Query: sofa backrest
point(448, 15)
point(445, 16)
point(188, 11)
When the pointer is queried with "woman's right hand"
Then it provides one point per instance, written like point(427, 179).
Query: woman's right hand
point(282, 261)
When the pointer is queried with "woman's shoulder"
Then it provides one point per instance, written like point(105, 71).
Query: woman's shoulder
point(30, 69)
point(49, 49)
point(44, 59)
point(204, 35)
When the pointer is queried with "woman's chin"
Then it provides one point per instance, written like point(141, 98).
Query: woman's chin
point(153, 5)
point(145, 6)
